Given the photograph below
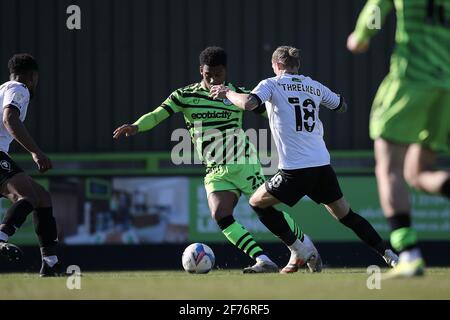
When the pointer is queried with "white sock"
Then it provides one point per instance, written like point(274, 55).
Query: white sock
point(307, 241)
point(299, 248)
point(50, 260)
point(410, 255)
point(263, 257)
point(3, 236)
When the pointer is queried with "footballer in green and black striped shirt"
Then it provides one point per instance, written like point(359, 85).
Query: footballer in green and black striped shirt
point(410, 118)
point(231, 160)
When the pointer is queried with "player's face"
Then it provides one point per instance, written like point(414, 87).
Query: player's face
point(213, 75)
point(33, 83)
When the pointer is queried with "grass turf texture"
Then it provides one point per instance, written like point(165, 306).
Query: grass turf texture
point(230, 284)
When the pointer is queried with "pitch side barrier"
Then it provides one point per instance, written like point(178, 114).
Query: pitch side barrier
point(160, 164)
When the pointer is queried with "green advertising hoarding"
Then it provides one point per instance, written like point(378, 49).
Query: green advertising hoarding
point(175, 209)
point(431, 214)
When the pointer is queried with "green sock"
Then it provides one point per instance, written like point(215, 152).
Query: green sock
point(403, 238)
point(293, 226)
point(241, 238)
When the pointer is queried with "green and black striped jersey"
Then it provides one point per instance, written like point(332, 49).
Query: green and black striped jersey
point(422, 51)
point(215, 126)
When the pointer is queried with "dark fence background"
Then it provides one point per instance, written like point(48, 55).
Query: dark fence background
point(130, 55)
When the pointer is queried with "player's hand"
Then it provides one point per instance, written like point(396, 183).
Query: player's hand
point(218, 91)
point(127, 129)
point(356, 47)
point(42, 161)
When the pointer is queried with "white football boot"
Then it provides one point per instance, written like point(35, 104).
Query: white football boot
point(303, 253)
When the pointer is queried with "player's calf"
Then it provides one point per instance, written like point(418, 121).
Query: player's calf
point(14, 218)
point(45, 228)
point(365, 231)
point(283, 226)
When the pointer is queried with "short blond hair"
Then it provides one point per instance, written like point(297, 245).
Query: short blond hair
point(287, 56)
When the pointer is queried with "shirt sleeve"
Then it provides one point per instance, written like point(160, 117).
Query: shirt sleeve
point(173, 103)
point(263, 91)
point(169, 107)
point(368, 16)
point(330, 99)
point(261, 109)
point(17, 96)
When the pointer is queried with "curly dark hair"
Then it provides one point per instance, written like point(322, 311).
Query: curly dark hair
point(213, 56)
point(22, 63)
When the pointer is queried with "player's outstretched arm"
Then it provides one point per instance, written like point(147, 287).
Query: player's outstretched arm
point(12, 123)
point(241, 100)
point(331, 100)
point(146, 122)
point(126, 130)
point(342, 107)
point(369, 23)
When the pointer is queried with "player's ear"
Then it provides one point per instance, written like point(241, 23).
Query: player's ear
point(201, 70)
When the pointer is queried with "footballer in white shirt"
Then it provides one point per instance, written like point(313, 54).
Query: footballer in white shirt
point(293, 101)
point(26, 195)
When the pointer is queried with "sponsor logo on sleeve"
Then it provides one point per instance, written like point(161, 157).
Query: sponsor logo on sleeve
point(5, 165)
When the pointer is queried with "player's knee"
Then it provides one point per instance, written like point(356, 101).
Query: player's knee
point(411, 174)
point(219, 213)
point(31, 199)
point(412, 178)
point(339, 208)
point(256, 202)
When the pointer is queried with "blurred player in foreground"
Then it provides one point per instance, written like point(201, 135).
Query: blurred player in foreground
point(410, 119)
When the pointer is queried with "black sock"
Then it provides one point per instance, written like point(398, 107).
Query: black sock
point(275, 222)
point(225, 222)
point(45, 228)
point(445, 190)
point(15, 216)
point(364, 230)
point(400, 220)
point(240, 238)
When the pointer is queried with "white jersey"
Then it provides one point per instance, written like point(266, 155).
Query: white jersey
point(292, 103)
point(15, 94)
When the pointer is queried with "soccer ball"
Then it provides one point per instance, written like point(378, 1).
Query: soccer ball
point(198, 258)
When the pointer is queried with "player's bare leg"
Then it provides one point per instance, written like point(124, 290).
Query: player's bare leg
point(420, 173)
point(281, 224)
point(394, 199)
point(222, 204)
point(392, 188)
point(19, 190)
point(28, 196)
point(340, 209)
point(46, 231)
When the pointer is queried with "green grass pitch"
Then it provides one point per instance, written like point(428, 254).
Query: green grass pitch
point(228, 285)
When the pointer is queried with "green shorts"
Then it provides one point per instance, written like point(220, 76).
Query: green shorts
point(407, 113)
point(237, 178)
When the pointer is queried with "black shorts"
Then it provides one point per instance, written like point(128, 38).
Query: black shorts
point(318, 183)
point(8, 168)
